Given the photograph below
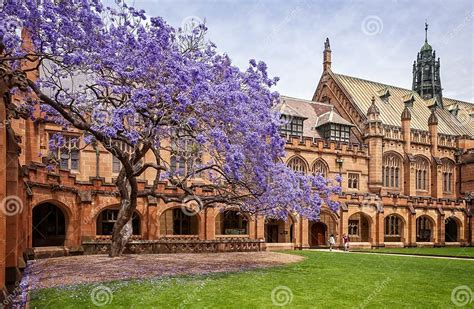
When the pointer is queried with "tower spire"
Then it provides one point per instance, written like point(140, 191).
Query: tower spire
point(426, 31)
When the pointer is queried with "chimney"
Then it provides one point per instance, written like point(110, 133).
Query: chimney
point(327, 55)
point(433, 128)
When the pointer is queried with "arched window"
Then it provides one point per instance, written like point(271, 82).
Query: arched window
point(422, 173)
point(447, 169)
point(320, 167)
point(298, 165)
point(391, 171)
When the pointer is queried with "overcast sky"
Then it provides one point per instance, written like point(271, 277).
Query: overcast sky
point(375, 40)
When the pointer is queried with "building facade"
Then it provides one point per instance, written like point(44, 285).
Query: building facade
point(406, 157)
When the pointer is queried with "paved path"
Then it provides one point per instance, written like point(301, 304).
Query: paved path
point(396, 254)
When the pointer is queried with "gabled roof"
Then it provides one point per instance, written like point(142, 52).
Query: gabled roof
point(332, 117)
point(361, 92)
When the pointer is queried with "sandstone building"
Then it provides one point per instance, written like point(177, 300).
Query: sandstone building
point(406, 157)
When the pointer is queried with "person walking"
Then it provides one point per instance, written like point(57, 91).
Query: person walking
point(332, 242)
point(345, 240)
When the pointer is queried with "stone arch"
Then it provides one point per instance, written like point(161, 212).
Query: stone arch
point(392, 170)
point(111, 211)
point(298, 164)
point(177, 220)
point(320, 166)
point(425, 228)
point(395, 228)
point(453, 229)
point(51, 224)
point(320, 230)
point(360, 227)
point(232, 222)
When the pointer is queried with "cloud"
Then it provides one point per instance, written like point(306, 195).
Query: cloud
point(289, 36)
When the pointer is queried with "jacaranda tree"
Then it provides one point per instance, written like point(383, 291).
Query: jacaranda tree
point(125, 79)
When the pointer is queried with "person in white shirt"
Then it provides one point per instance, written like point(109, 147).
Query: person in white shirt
point(332, 242)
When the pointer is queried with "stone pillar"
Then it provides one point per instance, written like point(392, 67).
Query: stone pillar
point(252, 227)
point(3, 192)
point(304, 233)
point(343, 227)
point(411, 239)
point(153, 222)
point(260, 227)
point(379, 229)
point(441, 230)
point(327, 55)
point(210, 224)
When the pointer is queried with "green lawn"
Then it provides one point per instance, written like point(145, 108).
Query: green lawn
point(444, 251)
point(324, 279)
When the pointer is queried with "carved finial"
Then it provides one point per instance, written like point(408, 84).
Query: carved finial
point(327, 46)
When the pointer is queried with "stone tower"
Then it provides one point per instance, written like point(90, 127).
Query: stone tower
point(426, 75)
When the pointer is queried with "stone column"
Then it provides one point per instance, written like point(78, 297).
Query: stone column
point(441, 230)
point(210, 224)
point(260, 227)
point(379, 229)
point(411, 230)
point(304, 233)
point(3, 191)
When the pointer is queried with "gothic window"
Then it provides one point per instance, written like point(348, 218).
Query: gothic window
point(68, 153)
point(447, 169)
point(291, 126)
point(393, 226)
point(353, 227)
point(319, 167)
point(422, 173)
point(391, 171)
point(298, 165)
point(353, 181)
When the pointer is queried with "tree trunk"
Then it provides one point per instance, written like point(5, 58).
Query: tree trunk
point(122, 230)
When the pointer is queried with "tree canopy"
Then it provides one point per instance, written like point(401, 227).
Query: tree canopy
point(125, 79)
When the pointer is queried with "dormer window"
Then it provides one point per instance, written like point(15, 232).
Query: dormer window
point(291, 125)
point(333, 127)
point(384, 94)
point(336, 132)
